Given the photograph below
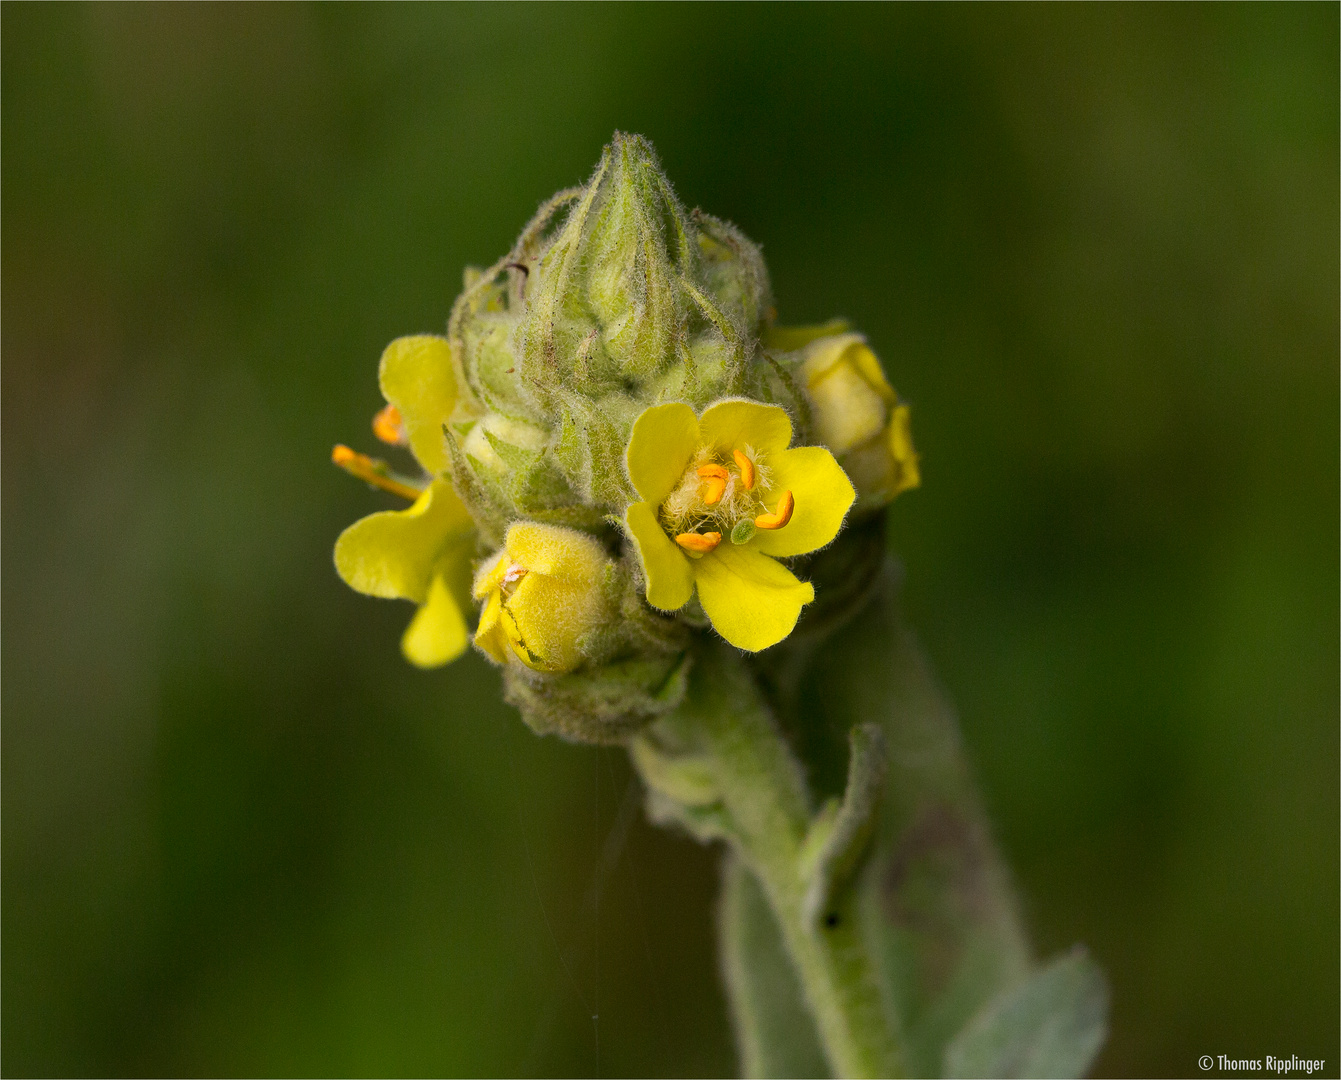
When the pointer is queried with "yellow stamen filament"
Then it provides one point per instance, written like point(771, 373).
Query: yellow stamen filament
point(699, 543)
point(374, 472)
point(715, 477)
point(387, 426)
point(746, 467)
point(781, 516)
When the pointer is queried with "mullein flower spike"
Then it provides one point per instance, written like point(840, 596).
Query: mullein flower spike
point(624, 474)
point(605, 431)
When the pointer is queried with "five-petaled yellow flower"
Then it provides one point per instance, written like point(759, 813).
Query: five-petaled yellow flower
point(542, 594)
point(723, 498)
point(422, 553)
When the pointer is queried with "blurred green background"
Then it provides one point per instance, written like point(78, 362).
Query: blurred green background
point(1097, 247)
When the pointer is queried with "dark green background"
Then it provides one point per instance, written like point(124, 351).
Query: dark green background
point(1097, 248)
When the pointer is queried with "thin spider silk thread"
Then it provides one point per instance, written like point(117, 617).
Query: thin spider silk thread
point(535, 886)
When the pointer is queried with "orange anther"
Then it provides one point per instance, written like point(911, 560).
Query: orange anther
point(699, 543)
point(781, 516)
point(746, 467)
point(387, 426)
point(373, 472)
point(715, 477)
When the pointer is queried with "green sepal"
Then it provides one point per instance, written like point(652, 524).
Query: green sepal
point(735, 271)
point(492, 366)
point(485, 503)
point(590, 450)
point(607, 704)
point(517, 458)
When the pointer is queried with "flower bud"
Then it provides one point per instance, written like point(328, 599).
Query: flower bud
point(542, 597)
point(627, 301)
point(856, 414)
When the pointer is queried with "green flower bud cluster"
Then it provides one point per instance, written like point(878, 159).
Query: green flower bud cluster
point(628, 301)
point(619, 450)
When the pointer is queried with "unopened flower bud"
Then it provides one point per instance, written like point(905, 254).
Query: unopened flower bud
point(857, 414)
point(542, 597)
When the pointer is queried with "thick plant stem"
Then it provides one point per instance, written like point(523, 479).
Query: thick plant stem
point(721, 766)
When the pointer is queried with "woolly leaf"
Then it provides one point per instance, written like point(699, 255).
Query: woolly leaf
point(1050, 1026)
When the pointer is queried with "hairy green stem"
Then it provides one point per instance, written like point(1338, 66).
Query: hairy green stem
point(720, 765)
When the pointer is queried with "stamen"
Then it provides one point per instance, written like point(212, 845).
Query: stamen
point(781, 516)
point(699, 543)
point(746, 467)
point(715, 477)
point(515, 573)
point(388, 427)
point(372, 471)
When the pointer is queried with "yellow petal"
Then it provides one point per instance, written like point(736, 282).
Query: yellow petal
point(416, 376)
point(752, 600)
point(549, 617)
point(556, 551)
point(900, 442)
point(394, 553)
point(767, 429)
point(664, 438)
point(791, 338)
point(437, 633)
point(823, 495)
point(489, 635)
point(489, 576)
point(885, 466)
point(670, 578)
point(866, 362)
point(846, 409)
point(851, 350)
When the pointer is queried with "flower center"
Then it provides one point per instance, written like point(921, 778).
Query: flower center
point(717, 498)
point(507, 584)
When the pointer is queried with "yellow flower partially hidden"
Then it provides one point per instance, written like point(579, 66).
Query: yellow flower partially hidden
point(859, 417)
point(723, 497)
point(421, 554)
point(542, 595)
point(417, 379)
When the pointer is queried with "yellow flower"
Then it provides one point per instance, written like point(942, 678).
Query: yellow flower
point(422, 553)
point(722, 495)
point(859, 417)
point(416, 554)
point(542, 595)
